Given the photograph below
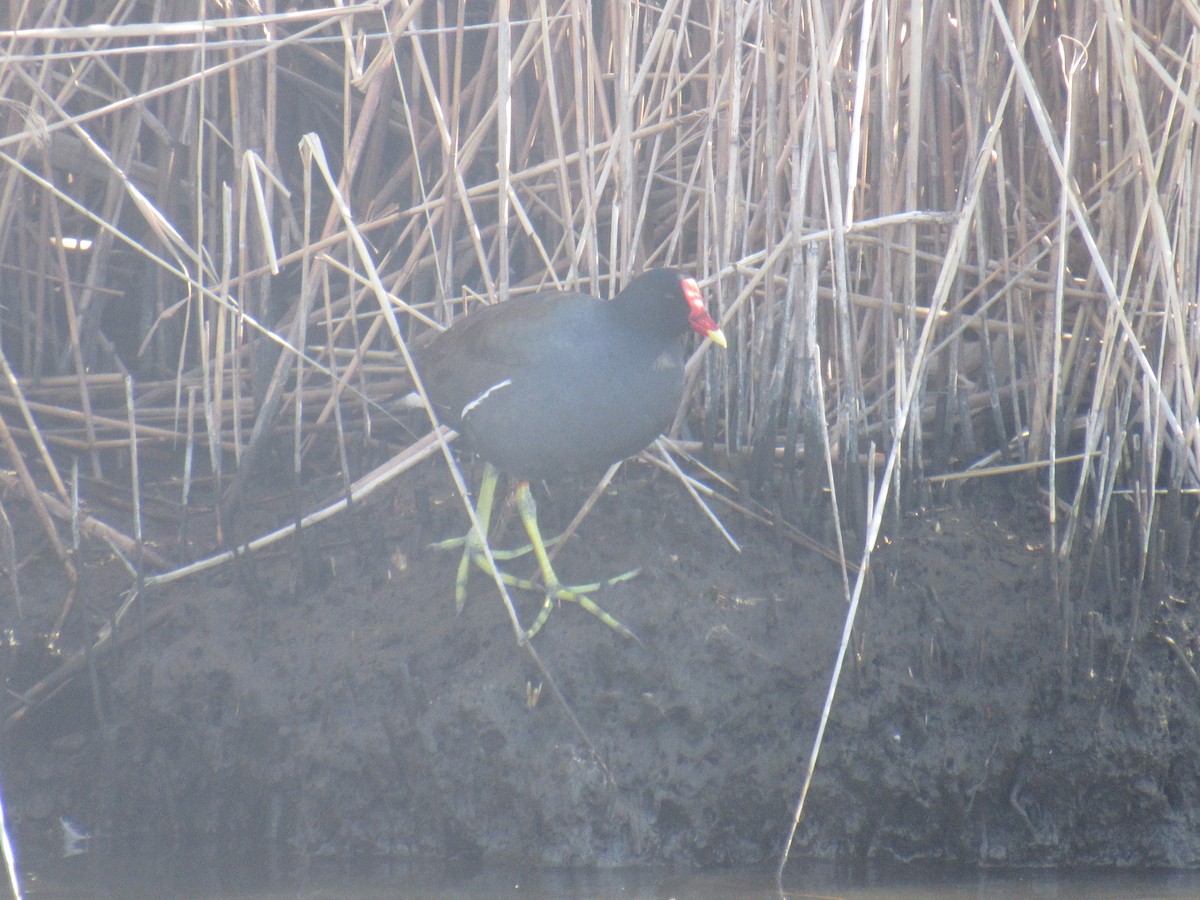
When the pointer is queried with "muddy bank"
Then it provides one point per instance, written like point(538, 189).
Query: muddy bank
point(322, 698)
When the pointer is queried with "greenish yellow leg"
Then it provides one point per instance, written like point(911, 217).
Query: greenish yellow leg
point(554, 589)
point(455, 543)
point(474, 541)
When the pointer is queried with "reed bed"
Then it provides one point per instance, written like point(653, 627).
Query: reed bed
point(949, 241)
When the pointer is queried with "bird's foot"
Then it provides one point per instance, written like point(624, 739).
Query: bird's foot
point(455, 543)
point(558, 593)
point(474, 554)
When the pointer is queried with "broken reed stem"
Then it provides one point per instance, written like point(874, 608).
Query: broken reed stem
point(588, 158)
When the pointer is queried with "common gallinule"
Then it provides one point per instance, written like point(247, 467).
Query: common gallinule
point(562, 383)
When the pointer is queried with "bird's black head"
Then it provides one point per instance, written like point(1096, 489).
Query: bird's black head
point(667, 302)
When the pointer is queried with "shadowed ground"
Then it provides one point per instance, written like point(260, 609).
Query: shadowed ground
point(323, 699)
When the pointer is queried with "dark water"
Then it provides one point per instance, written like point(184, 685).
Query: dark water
point(90, 878)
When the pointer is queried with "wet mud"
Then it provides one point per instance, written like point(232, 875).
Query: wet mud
point(321, 697)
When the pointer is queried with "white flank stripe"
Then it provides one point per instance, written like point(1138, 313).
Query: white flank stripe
point(474, 403)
